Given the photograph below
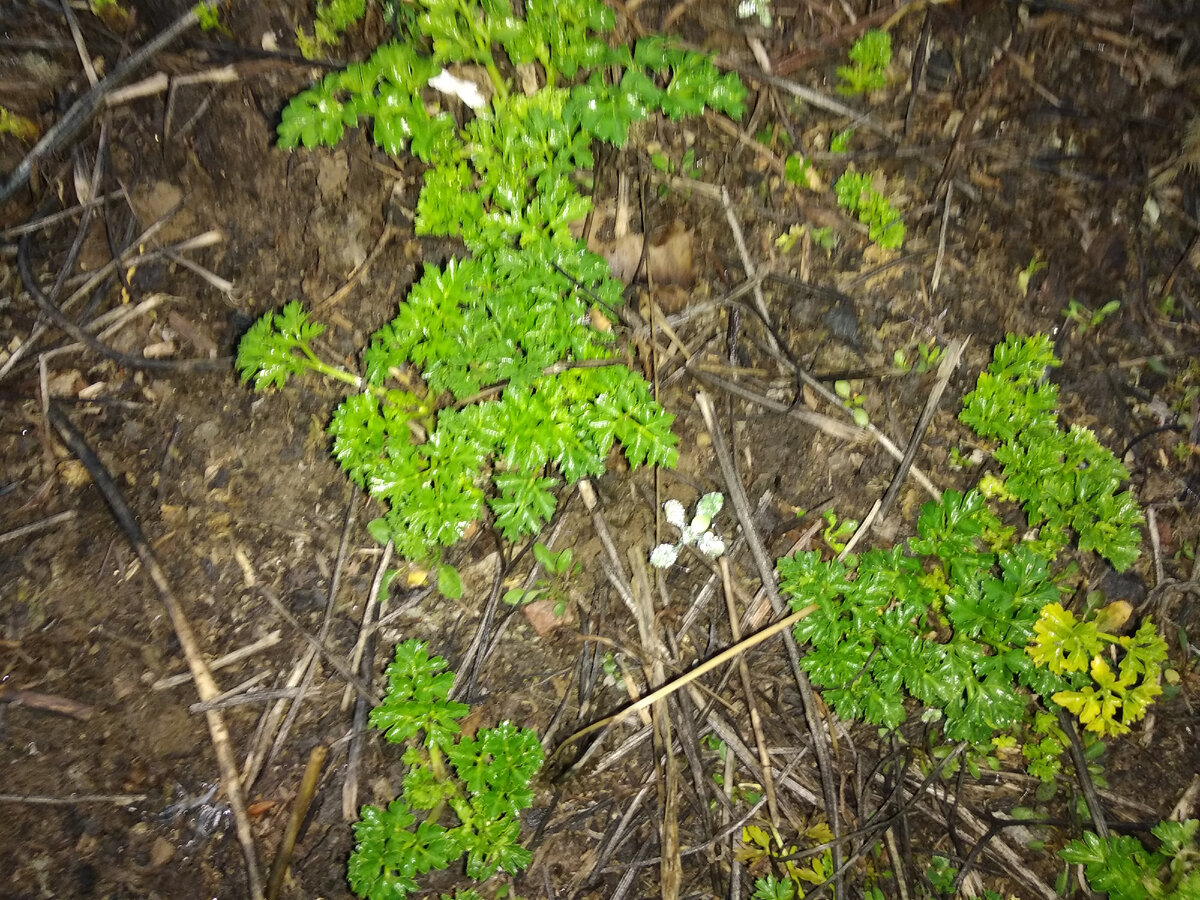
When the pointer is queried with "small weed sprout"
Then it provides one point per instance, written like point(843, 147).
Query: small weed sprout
point(1085, 318)
point(869, 58)
point(560, 567)
point(854, 402)
point(929, 357)
point(1124, 869)
point(694, 532)
point(18, 126)
point(1036, 264)
point(483, 780)
point(857, 195)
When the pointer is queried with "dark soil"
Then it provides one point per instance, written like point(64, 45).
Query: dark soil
point(1067, 133)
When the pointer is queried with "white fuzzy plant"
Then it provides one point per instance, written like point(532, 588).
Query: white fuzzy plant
point(696, 531)
point(760, 8)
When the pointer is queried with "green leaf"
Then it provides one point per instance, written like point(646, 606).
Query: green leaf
point(870, 56)
point(449, 584)
point(524, 505)
point(316, 116)
point(267, 353)
point(497, 767)
point(382, 865)
point(1063, 644)
point(416, 698)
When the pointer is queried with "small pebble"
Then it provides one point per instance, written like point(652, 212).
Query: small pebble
point(161, 852)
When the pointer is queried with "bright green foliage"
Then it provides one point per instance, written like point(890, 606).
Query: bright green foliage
point(208, 15)
point(772, 888)
point(333, 17)
point(268, 352)
point(1043, 747)
point(947, 618)
point(856, 195)
point(490, 386)
point(486, 787)
point(1067, 481)
point(1125, 870)
point(870, 57)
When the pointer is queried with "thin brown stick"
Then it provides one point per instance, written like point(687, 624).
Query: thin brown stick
point(81, 112)
point(75, 800)
point(766, 571)
point(335, 583)
point(832, 427)
point(685, 679)
point(287, 847)
point(51, 703)
point(229, 659)
point(760, 740)
point(206, 685)
point(949, 363)
point(35, 527)
point(670, 869)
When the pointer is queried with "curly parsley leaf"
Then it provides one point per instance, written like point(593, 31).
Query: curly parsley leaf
point(416, 699)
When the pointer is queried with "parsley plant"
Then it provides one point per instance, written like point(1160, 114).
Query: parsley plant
point(1125, 870)
point(483, 781)
point(490, 386)
point(965, 616)
point(869, 58)
point(857, 196)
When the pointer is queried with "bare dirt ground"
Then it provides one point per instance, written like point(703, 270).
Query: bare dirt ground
point(1062, 132)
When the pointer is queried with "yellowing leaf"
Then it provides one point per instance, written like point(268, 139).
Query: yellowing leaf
point(1112, 617)
point(819, 833)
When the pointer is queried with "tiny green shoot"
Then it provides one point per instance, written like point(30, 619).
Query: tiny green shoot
point(840, 141)
point(837, 531)
point(333, 17)
point(18, 126)
point(869, 59)
point(1036, 264)
point(857, 195)
point(854, 402)
point(929, 357)
point(1084, 318)
point(560, 568)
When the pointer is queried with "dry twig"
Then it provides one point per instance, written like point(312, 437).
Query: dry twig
point(206, 685)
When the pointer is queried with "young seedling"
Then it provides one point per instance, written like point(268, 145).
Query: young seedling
point(1084, 318)
point(333, 18)
point(559, 568)
point(857, 195)
point(929, 357)
point(482, 781)
point(854, 402)
point(1036, 264)
point(869, 58)
point(1121, 867)
point(695, 532)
